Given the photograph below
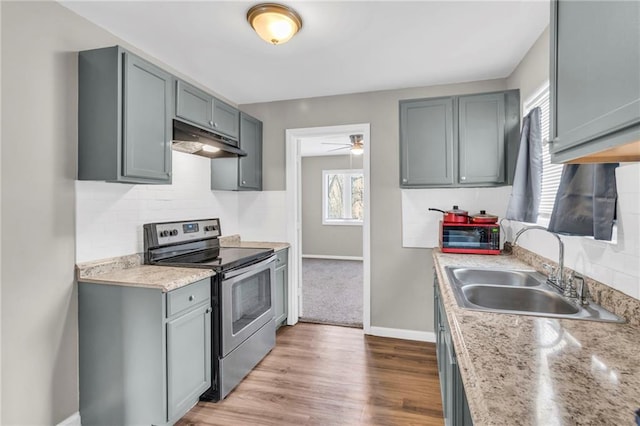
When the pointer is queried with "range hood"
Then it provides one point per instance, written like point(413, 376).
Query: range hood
point(198, 141)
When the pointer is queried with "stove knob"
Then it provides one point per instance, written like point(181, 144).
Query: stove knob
point(164, 233)
point(173, 232)
point(207, 228)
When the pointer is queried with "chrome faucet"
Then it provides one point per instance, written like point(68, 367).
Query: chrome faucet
point(557, 280)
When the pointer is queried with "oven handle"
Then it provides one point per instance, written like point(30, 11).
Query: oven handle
point(263, 264)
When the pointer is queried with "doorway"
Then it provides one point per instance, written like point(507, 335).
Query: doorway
point(296, 139)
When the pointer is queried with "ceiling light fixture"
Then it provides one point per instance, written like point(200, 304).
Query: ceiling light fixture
point(273, 22)
point(357, 144)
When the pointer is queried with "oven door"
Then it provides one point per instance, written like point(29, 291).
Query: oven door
point(247, 298)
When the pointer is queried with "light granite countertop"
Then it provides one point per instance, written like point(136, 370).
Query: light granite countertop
point(129, 271)
point(527, 370)
point(235, 241)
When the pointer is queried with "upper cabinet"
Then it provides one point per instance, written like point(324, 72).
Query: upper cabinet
point(426, 142)
point(481, 138)
point(201, 108)
point(124, 118)
point(243, 173)
point(595, 81)
point(459, 141)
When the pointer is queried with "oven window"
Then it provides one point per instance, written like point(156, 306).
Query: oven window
point(251, 297)
point(468, 237)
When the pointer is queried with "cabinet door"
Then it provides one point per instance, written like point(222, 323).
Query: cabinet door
point(225, 118)
point(188, 359)
point(426, 143)
point(481, 138)
point(595, 69)
point(250, 167)
point(194, 105)
point(146, 121)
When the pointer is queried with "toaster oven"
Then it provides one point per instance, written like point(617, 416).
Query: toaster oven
point(471, 238)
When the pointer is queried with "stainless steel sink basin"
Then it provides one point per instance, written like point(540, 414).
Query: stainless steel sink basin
point(518, 292)
point(518, 299)
point(497, 277)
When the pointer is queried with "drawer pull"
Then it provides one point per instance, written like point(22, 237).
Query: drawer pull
point(192, 298)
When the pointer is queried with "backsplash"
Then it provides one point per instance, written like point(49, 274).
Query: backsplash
point(614, 264)
point(109, 216)
point(421, 227)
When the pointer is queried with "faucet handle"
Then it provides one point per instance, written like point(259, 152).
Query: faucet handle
point(550, 270)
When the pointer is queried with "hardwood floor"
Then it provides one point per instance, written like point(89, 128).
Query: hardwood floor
point(329, 375)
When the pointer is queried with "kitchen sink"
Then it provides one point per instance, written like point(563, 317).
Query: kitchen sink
point(498, 277)
point(518, 299)
point(512, 291)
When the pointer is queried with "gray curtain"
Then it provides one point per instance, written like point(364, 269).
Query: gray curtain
point(527, 181)
point(586, 201)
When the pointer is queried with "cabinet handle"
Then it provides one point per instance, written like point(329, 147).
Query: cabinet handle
point(211, 123)
point(244, 182)
point(215, 124)
point(208, 311)
point(404, 180)
point(463, 178)
point(192, 298)
point(277, 260)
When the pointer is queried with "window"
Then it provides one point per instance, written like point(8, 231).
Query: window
point(550, 172)
point(342, 197)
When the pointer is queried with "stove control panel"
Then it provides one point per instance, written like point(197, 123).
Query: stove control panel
point(178, 232)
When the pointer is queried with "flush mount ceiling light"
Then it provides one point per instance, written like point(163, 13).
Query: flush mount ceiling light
point(357, 144)
point(273, 22)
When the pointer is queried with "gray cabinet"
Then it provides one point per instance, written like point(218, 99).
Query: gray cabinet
point(124, 118)
point(145, 356)
point(244, 173)
point(454, 401)
point(594, 79)
point(459, 141)
point(481, 136)
point(426, 142)
point(281, 289)
point(203, 109)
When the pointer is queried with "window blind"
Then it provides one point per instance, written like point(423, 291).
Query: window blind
point(551, 173)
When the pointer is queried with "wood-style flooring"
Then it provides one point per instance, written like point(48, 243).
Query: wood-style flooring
point(329, 375)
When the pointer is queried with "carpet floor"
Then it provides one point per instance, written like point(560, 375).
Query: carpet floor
point(332, 292)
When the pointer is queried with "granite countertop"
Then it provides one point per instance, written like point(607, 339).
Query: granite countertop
point(129, 271)
point(527, 370)
point(235, 241)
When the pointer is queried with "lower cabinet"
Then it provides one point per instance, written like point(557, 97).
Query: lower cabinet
point(282, 293)
point(454, 400)
point(145, 355)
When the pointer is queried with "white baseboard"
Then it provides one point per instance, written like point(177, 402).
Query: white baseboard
point(397, 333)
point(327, 256)
point(72, 420)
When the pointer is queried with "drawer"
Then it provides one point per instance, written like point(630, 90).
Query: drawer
point(282, 257)
point(188, 297)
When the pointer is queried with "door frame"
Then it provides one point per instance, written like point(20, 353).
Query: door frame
point(294, 214)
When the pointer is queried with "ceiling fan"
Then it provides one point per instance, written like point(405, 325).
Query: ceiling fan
point(356, 146)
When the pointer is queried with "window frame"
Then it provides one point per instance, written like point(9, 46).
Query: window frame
point(346, 197)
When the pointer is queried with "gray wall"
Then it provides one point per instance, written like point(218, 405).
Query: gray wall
point(319, 239)
point(401, 283)
point(39, 338)
point(533, 70)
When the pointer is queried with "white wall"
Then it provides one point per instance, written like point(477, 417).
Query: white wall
point(109, 216)
point(617, 265)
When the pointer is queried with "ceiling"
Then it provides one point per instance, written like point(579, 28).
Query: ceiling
point(343, 47)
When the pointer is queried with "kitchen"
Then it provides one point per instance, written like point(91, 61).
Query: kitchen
point(47, 205)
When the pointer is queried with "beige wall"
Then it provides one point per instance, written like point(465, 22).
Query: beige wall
point(533, 70)
point(401, 283)
point(319, 239)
